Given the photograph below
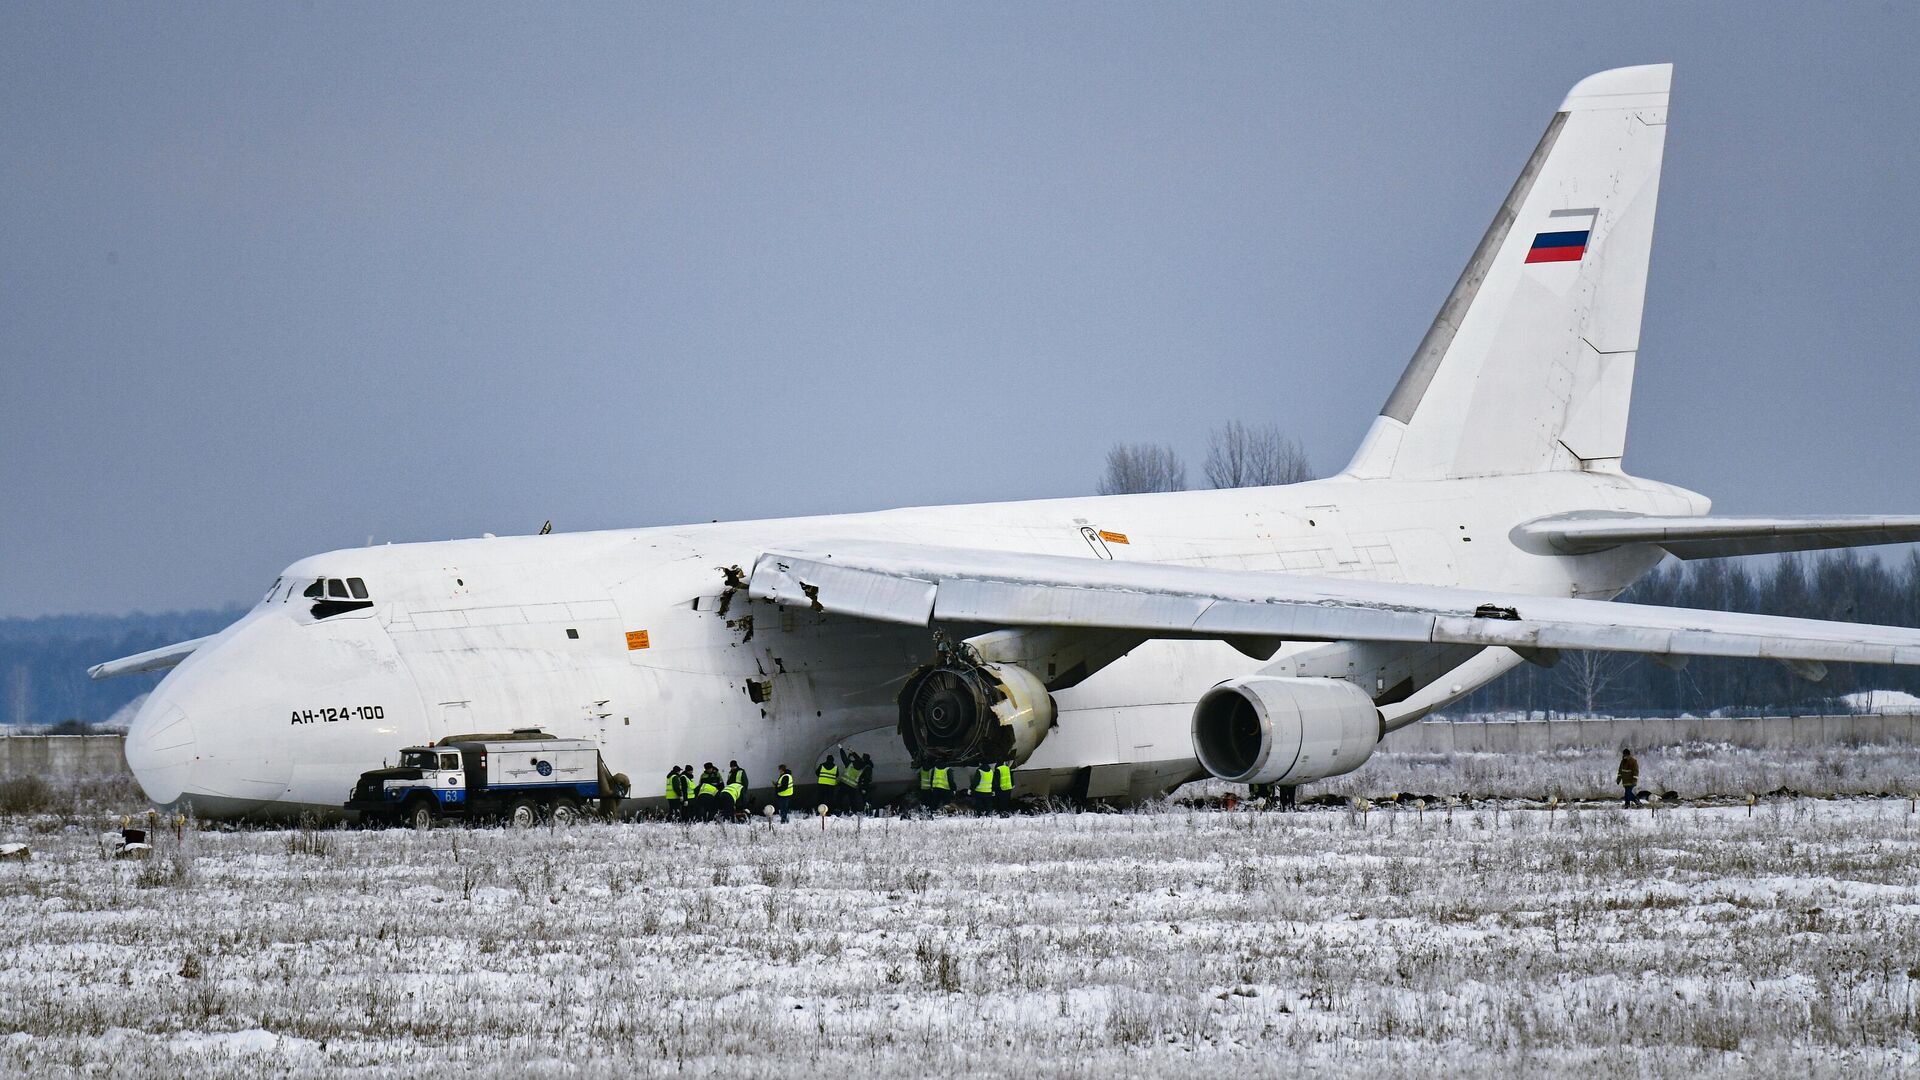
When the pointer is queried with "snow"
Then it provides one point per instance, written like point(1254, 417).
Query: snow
point(1593, 940)
point(1882, 701)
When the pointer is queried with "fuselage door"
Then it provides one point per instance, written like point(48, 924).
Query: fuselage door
point(451, 718)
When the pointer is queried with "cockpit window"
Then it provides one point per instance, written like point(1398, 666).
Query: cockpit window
point(337, 596)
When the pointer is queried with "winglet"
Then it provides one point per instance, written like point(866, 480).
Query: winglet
point(152, 660)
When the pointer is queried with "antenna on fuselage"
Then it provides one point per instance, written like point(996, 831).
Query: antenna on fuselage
point(547, 527)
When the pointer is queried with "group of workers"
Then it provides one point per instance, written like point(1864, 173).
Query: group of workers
point(992, 787)
point(705, 796)
point(843, 786)
point(846, 787)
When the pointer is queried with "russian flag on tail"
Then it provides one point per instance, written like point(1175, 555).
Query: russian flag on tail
point(1566, 238)
point(1559, 246)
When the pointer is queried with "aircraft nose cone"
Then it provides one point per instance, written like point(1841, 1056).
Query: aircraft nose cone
point(161, 750)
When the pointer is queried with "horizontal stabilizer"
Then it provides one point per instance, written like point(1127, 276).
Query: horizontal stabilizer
point(152, 660)
point(1713, 537)
point(922, 585)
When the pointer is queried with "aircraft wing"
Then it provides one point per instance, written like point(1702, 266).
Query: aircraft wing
point(152, 660)
point(1712, 537)
point(920, 585)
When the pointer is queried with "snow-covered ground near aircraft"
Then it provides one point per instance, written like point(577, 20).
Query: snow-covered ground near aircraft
point(1591, 941)
point(1690, 770)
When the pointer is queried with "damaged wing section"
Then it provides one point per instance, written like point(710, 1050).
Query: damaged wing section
point(1714, 537)
point(921, 585)
point(165, 656)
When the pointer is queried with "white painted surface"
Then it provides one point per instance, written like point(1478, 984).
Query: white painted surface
point(638, 640)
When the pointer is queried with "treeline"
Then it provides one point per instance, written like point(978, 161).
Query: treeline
point(44, 661)
point(1238, 455)
point(1845, 586)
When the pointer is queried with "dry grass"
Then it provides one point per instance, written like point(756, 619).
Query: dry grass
point(1590, 942)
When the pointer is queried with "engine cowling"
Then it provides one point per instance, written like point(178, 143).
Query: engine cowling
point(958, 713)
point(1270, 730)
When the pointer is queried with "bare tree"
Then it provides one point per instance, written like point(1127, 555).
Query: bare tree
point(1591, 676)
point(1240, 455)
point(1136, 467)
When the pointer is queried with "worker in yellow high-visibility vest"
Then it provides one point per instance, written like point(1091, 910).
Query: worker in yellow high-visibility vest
point(852, 773)
point(1003, 787)
point(982, 790)
point(827, 777)
point(733, 799)
point(674, 792)
point(783, 792)
point(942, 786)
point(707, 795)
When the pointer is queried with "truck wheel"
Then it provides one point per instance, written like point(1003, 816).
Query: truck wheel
point(566, 812)
point(418, 814)
point(523, 813)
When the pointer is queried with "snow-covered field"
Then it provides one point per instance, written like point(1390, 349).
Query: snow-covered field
point(1591, 941)
point(1691, 770)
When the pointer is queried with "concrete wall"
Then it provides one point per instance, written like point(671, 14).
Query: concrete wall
point(62, 755)
point(1540, 736)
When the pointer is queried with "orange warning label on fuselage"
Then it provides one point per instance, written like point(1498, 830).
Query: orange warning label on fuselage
point(1113, 537)
point(637, 639)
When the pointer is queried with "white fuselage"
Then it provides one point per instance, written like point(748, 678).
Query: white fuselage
point(620, 637)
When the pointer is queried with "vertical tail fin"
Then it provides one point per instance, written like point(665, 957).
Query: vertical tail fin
point(1529, 365)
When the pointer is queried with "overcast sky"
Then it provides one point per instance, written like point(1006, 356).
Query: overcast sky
point(277, 280)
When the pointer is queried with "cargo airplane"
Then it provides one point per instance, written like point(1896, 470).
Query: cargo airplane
point(1111, 648)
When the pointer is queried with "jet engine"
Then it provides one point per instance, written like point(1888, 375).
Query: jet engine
point(1270, 730)
point(960, 711)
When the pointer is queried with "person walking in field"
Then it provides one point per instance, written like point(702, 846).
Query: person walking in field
point(783, 792)
point(1629, 777)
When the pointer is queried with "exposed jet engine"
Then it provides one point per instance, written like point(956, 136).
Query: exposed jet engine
point(960, 710)
point(1268, 730)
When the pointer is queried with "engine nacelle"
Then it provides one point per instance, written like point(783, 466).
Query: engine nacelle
point(958, 713)
point(1269, 730)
